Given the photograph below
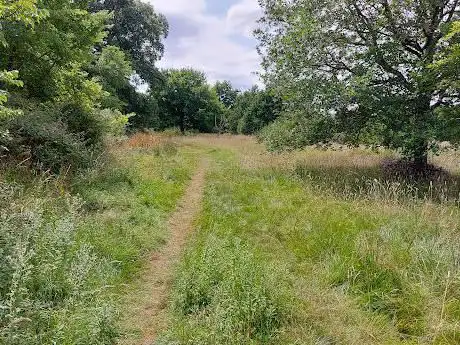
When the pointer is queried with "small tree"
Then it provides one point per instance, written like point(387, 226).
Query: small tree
point(226, 93)
point(364, 68)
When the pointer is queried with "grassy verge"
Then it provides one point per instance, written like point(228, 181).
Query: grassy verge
point(65, 256)
point(285, 257)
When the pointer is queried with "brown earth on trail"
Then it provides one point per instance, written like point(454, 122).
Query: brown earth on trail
point(150, 318)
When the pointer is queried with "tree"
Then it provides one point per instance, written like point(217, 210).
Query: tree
point(226, 93)
point(139, 31)
point(187, 101)
point(26, 13)
point(65, 36)
point(62, 121)
point(363, 68)
point(253, 110)
point(113, 70)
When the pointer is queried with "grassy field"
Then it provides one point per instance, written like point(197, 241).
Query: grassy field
point(318, 247)
point(311, 247)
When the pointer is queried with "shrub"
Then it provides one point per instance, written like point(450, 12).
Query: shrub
point(282, 134)
point(44, 139)
point(115, 122)
point(297, 131)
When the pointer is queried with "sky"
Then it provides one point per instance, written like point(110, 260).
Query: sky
point(214, 36)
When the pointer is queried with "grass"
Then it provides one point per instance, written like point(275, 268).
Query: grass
point(129, 202)
point(69, 246)
point(308, 247)
point(322, 261)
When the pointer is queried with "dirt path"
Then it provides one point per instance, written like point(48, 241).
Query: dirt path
point(151, 318)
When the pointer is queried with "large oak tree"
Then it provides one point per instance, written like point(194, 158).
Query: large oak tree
point(370, 70)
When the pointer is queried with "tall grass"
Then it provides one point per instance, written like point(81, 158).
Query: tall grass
point(360, 263)
point(373, 184)
point(68, 247)
point(225, 292)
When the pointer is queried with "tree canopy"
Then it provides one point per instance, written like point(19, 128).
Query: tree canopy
point(253, 109)
point(372, 71)
point(187, 101)
point(226, 93)
point(139, 31)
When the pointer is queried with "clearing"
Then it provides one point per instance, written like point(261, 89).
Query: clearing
point(311, 247)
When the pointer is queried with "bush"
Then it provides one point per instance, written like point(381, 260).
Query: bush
point(89, 124)
point(296, 132)
point(42, 138)
point(283, 134)
point(115, 122)
point(56, 136)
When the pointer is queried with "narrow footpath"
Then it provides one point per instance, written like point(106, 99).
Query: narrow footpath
point(151, 317)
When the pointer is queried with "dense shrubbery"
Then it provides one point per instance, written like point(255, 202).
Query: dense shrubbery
point(297, 131)
point(69, 88)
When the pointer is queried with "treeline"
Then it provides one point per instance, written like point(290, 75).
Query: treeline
point(71, 75)
point(185, 100)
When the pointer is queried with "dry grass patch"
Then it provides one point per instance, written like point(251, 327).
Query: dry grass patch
point(145, 140)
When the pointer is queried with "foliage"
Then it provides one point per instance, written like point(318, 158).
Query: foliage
point(367, 69)
point(68, 71)
point(252, 110)
point(64, 37)
point(146, 108)
point(188, 102)
point(447, 66)
point(137, 30)
point(42, 137)
point(8, 78)
point(285, 133)
point(226, 93)
point(115, 121)
point(113, 70)
point(24, 11)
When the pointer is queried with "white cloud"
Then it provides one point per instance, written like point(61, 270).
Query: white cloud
point(242, 17)
point(217, 45)
point(190, 7)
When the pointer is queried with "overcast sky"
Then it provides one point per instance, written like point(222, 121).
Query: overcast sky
point(214, 36)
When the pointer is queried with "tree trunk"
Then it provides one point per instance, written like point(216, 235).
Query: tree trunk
point(421, 159)
point(420, 145)
point(182, 125)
